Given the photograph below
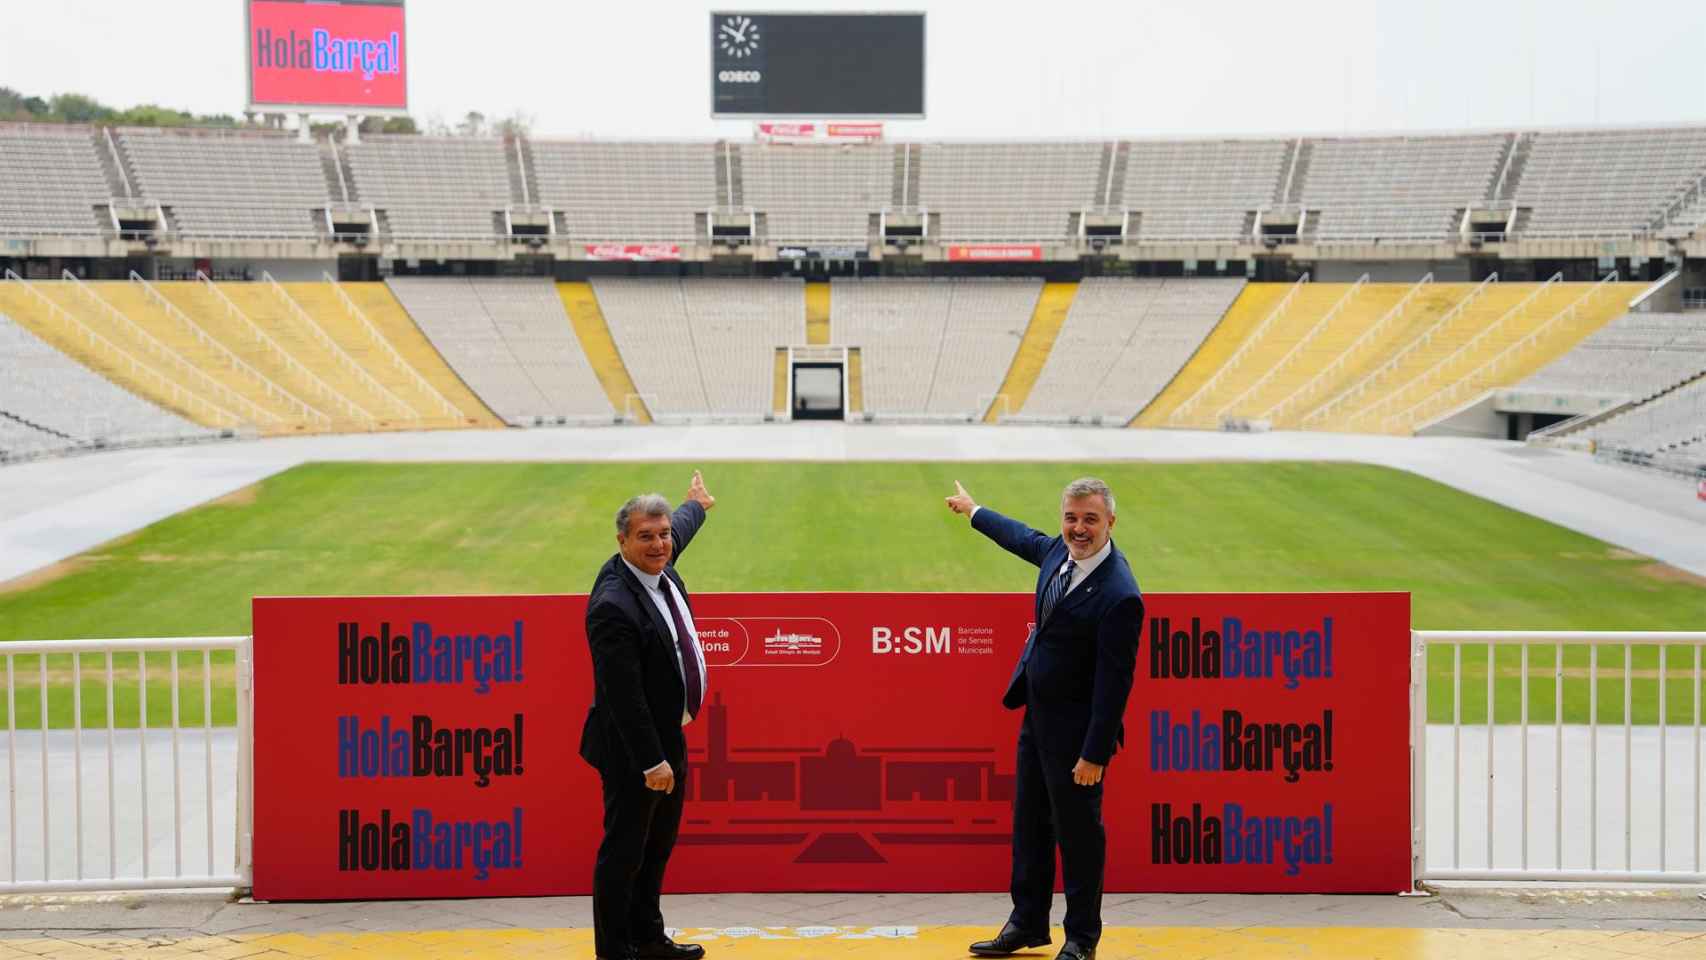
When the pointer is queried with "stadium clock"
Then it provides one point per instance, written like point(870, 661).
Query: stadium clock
point(738, 36)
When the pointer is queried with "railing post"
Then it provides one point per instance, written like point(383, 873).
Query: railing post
point(1418, 759)
point(245, 819)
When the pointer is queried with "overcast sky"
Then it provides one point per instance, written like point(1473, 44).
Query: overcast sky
point(997, 68)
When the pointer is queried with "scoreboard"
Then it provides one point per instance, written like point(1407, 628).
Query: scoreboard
point(866, 65)
point(327, 56)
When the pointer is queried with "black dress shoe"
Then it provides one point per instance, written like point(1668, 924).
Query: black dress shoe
point(1076, 951)
point(667, 949)
point(1009, 940)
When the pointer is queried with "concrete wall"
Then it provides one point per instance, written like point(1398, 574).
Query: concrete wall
point(1388, 271)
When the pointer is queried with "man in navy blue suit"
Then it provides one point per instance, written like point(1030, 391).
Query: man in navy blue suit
point(1073, 681)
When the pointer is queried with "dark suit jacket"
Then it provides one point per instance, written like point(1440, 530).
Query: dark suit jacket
point(638, 696)
point(1078, 666)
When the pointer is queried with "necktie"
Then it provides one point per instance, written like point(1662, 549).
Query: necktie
point(684, 646)
point(1056, 589)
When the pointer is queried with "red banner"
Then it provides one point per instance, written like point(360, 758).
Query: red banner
point(1700, 491)
point(633, 251)
point(1022, 252)
point(787, 132)
point(863, 132)
point(327, 54)
point(851, 742)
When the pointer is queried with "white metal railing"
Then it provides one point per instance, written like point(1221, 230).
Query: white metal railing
point(321, 388)
point(130, 861)
point(1482, 377)
point(306, 321)
point(1177, 417)
point(123, 360)
point(1432, 372)
point(1297, 348)
point(379, 340)
point(1308, 389)
point(1511, 848)
point(1373, 377)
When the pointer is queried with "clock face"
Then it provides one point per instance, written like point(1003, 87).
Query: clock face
point(738, 36)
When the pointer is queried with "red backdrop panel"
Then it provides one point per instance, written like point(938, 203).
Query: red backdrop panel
point(851, 742)
point(327, 55)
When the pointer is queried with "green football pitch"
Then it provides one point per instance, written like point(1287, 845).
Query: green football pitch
point(545, 528)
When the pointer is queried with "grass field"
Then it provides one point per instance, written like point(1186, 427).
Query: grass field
point(522, 528)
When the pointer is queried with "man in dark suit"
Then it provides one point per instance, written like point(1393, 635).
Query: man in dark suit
point(1073, 680)
point(648, 682)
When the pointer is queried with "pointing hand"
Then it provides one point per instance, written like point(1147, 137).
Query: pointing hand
point(961, 501)
point(697, 493)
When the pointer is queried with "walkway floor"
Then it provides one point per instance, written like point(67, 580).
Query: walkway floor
point(1462, 922)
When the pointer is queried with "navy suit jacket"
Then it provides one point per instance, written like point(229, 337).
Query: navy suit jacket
point(638, 693)
point(1077, 668)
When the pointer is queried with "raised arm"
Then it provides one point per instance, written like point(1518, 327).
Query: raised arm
point(690, 516)
point(1016, 538)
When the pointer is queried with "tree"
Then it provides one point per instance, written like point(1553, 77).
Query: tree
point(472, 125)
point(76, 108)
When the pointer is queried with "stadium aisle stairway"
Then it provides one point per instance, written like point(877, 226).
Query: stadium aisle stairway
point(1049, 316)
point(1246, 313)
point(1297, 360)
point(376, 302)
point(131, 300)
point(1358, 356)
point(261, 304)
point(855, 380)
point(1282, 328)
point(779, 391)
point(432, 384)
point(593, 330)
point(817, 314)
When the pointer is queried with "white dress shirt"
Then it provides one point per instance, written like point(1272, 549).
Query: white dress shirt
point(654, 590)
point(1085, 566)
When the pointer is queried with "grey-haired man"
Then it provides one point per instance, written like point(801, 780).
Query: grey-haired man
point(1072, 681)
point(648, 682)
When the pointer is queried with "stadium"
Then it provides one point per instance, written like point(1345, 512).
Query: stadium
point(1457, 376)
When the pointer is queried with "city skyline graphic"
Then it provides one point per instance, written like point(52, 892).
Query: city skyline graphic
point(842, 802)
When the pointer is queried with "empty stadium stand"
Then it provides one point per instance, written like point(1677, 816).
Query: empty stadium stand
point(1397, 189)
point(1123, 341)
point(1035, 347)
point(625, 192)
point(593, 331)
point(1011, 192)
point(230, 184)
point(1673, 424)
point(262, 185)
point(512, 343)
point(934, 349)
point(1607, 183)
point(51, 182)
point(370, 327)
point(1201, 189)
point(433, 188)
point(119, 333)
point(703, 348)
point(817, 194)
point(1634, 357)
point(51, 403)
